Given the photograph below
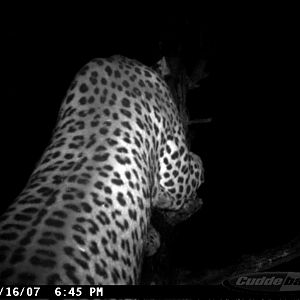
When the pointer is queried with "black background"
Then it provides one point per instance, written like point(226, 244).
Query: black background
point(249, 150)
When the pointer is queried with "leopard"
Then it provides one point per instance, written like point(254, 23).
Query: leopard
point(118, 151)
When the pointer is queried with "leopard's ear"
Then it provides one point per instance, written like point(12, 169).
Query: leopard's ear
point(162, 68)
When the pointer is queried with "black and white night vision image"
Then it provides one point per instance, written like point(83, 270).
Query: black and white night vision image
point(151, 150)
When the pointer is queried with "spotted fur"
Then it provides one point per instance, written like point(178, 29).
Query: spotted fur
point(117, 151)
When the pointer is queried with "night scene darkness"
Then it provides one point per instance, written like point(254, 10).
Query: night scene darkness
point(248, 148)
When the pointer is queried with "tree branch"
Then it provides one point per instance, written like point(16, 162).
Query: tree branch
point(200, 121)
point(263, 261)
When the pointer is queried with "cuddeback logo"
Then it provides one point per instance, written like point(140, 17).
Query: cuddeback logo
point(266, 282)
